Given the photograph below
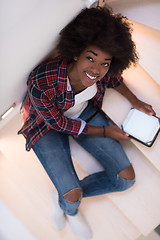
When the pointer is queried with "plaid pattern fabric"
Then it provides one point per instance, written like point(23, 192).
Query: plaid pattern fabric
point(47, 99)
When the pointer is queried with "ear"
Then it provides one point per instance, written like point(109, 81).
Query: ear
point(75, 58)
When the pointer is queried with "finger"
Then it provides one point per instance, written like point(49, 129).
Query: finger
point(126, 137)
point(126, 134)
point(150, 111)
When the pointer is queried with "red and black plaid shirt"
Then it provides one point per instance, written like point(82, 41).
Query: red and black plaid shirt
point(48, 98)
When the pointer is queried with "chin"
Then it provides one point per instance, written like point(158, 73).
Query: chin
point(88, 83)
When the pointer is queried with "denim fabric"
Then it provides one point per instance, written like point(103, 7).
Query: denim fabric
point(53, 151)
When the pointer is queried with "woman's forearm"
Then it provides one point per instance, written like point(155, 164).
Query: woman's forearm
point(136, 103)
point(126, 92)
point(95, 131)
point(108, 131)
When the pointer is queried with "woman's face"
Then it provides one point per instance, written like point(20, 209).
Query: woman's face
point(91, 66)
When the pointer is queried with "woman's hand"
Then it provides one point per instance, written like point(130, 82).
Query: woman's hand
point(144, 107)
point(136, 103)
point(116, 133)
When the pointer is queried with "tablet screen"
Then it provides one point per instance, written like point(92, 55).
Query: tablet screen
point(141, 126)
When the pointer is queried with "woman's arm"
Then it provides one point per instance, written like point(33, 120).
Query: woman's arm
point(136, 103)
point(47, 111)
point(108, 131)
point(114, 131)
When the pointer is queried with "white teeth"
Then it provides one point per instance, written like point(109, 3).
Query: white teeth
point(92, 78)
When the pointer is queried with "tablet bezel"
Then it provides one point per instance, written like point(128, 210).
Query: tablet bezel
point(148, 144)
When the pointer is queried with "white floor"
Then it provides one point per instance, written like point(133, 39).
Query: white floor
point(12, 229)
point(9, 223)
point(152, 236)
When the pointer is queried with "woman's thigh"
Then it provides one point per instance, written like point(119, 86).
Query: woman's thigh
point(54, 154)
point(107, 151)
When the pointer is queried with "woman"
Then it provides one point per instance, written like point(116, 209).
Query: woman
point(64, 99)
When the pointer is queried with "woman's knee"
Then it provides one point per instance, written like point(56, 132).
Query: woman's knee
point(126, 178)
point(73, 195)
point(128, 173)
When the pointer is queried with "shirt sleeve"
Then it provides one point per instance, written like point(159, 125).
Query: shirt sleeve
point(47, 111)
point(113, 82)
point(83, 125)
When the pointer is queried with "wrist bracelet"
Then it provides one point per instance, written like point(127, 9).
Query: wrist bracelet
point(104, 132)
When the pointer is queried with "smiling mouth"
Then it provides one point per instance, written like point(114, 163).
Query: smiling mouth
point(90, 77)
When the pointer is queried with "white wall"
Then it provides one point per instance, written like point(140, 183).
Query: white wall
point(142, 11)
point(29, 30)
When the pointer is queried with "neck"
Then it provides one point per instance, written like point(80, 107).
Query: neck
point(74, 81)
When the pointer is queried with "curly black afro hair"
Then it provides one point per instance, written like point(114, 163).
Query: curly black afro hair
point(102, 28)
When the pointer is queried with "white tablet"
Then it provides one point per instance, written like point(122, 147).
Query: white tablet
point(141, 127)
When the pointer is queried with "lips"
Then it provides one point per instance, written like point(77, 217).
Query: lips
point(92, 78)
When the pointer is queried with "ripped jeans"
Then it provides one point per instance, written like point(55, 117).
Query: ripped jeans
point(53, 151)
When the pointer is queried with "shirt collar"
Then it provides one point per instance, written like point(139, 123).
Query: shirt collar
point(69, 88)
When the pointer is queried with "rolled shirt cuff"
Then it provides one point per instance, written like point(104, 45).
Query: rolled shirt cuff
point(83, 124)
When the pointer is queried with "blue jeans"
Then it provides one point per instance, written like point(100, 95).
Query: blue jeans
point(53, 151)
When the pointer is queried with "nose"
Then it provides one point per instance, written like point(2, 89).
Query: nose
point(95, 69)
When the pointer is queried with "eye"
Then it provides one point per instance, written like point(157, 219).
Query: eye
point(90, 58)
point(106, 64)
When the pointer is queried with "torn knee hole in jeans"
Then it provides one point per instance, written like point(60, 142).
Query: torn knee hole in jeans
point(118, 176)
point(128, 173)
point(73, 195)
